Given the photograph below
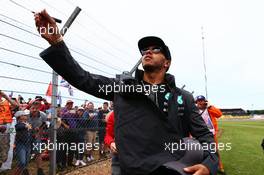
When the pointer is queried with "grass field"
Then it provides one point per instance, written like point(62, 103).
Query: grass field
point(246, 156)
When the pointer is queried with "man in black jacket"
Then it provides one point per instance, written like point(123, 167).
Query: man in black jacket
point(154, 114)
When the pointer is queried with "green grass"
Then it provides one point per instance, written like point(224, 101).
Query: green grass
point(246, 156)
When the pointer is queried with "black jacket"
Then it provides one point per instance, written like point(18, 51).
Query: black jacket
point(141, 129)
point(23, 135)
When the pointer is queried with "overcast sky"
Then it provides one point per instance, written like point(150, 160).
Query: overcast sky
point(108, 31)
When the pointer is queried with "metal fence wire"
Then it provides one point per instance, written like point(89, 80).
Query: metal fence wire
point(26, 138)
point(27, 129)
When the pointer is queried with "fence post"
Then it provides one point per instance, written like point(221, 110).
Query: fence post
point(52, 170)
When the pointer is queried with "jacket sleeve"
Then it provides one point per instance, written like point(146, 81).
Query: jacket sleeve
point(215, 112)
point(20, 127)
point(59, 58)
point(199, 130)
point(109, 136)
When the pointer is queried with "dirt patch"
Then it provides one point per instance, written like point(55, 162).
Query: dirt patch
point(99, 168)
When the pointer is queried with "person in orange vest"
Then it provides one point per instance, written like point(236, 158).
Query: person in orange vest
point(6, 106)
point(210, 114)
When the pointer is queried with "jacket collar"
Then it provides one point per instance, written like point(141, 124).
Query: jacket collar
point(169, 79)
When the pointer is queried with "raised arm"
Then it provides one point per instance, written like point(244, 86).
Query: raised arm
point(12, 102)
point(58, 57)
point(213, 111)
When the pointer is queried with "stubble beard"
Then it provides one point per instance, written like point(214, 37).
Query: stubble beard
point(152, 68)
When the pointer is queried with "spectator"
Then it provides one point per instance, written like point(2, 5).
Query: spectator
point(111, 107)
point(29, 100)
point(22, 142)
point(80, 134)
point(75, 108)
point(61, 154)
point(68, 116)
point(6, 107)
point(91, 115)
point(46, 105)
point(37, 120)
point(110, 142)
point(210, 114)
point(16, 108)
point(102, 126)
point(23, 106)
point(20, 99)
point(84, 104)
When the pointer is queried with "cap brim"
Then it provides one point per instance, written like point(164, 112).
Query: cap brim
point(150, 41)
point(193, 155)
point(176, 166)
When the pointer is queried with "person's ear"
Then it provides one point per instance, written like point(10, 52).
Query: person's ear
point(167, 64)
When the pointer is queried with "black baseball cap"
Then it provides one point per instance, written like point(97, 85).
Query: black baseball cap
point(154, 41)
point(38, 98)
point(193, 155)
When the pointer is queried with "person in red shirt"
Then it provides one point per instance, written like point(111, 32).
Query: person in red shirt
point(212, 114)
point(110, 142)
point(44, 105)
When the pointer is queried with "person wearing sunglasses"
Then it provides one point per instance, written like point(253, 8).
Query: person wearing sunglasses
point(149, 118)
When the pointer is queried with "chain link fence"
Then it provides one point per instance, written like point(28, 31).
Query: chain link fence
point(26, 138)
point(26, 129)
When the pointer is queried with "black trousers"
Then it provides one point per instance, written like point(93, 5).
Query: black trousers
point(71, 138)
point(61, 154)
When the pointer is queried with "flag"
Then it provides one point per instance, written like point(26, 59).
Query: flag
point(70, 90)
point(11, 94)
point(64, 83)
point(59, 100)
point(49, 90)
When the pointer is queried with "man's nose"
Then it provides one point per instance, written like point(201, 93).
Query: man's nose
point(148, 51)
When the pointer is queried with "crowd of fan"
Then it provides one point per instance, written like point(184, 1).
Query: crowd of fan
point(80, 131)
